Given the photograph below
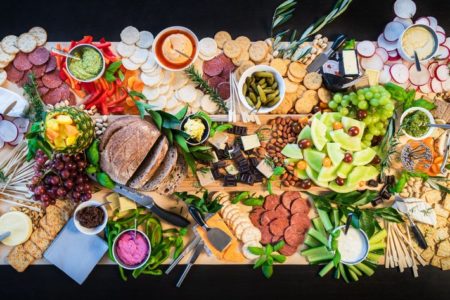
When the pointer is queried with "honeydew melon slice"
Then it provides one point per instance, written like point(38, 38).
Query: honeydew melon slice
point(361, 173)
point(335, 153)
point(305, 133)
point(342, 189)
point(314, 159)
point(318, 134)
point(313, 175)
point(363, 157)
point(328, 173)
point(292, 151)
point(352, 143)
point(344, 169)
point(349, 122)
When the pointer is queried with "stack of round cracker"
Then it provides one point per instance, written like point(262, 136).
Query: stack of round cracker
point(134, 48)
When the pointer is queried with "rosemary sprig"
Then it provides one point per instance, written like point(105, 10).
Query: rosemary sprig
point(282, 14)
point(195, 76)
point(389, 146)
point(37, 108)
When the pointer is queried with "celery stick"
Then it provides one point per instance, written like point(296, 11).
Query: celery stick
point(323, 215)
point(336, 220)
point(342, 271)
point(311, 242)
point(328, 267)
point(318, 251)
point(337, 273)
point(370, 264)
point(377, 246)
point(318, 225)
point(355, 270)
point(365, 269)
point(378, 237)
point(353, 275)
point(374, 257)
point(318, 236)
point(317, 259)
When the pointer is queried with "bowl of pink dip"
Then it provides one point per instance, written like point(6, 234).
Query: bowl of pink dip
point(131, 249)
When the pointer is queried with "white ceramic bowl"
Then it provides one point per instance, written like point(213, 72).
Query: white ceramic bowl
point(409, 58)
point(120, 262)
point(278, 78)
point(180, 28)
point(366, 241)
point(429, 115)
point(90, 231)
point(101, 55)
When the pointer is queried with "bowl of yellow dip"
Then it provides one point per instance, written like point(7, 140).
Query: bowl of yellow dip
point(419, 38)
point(89, 67)
point(197, 128)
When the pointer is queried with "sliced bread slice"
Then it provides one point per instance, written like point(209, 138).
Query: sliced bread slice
point(114, 127)
point(171, 182)
point(150, 164)
point(163, 171)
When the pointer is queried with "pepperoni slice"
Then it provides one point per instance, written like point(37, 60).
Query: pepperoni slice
point(51, 64)
point(39, 56)
point(268, 217)
point(288, 250)
point(13, 74)
point(266, 236)
point(255, 216)
point(39, 71)
point(52, 97)
point(293, 236)
point(276, 239)
point(271, 202)
point(300, 221)
point(21, 62)
point(288, 197)
point(300, 206)
point(224, 90)
point(215, 81)
point(52, 80)
point(278, 226)
point(43, 90)
point(213, 67)
point(282, 211)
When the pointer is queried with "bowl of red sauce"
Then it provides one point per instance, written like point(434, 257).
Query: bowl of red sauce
point(175, 48)
point(131, 249)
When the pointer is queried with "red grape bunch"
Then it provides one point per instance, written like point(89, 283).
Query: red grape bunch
point(62, 177)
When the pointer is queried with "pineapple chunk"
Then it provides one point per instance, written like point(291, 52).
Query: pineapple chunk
point(64, 119)
point(71, 130)
point(71, 140)
point(51, 134)
point(53, 124)
point(59, 143)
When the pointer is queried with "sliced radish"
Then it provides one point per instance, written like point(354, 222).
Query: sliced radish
point(447, 43)
point(365, 48)
point(442, 53)
point(1, 117)
point(18, 139)
point(393, 30)
point(22, 124)
point(446, 85)
point(399, 72)
point(393, 55)
point(433, 22)
point(419, 78)
point(2, 143)
point(440, 37)
point(383, 43)
point(432, 67)
point(442, 72)
point(385, 76)
point(405, 85)
point(440, 29)
point(422, 21)
point(381, 52)
point(8, 131)
point(404, 8)
point(436, 85)
point(425, 89)
point(373, 63)
point(406, 22)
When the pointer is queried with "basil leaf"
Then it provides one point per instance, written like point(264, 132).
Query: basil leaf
point(279, 258)
point(253, 202)
point(168, 133)
point(259, 262)
point(182, 113)
point(278, 171)
point(367, 222)
point(241, 196)
point(137, 94)
point(278, 245)
point(423, 103)
point(113, 67)
point(181, 142)
point(104, 180)
point(256, 250)
point(91, 169)
point(267, 271)
point(156, 118)
point(93, 154)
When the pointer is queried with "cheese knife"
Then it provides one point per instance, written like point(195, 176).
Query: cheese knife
point(195, 255)
point(401, 205)
point(320, 60)
point(5, 235)
point(192, 245)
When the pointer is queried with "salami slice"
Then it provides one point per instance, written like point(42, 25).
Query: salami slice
point(300, 221)
point(215, 81)
point(52, 80)
point(13, 74)
point(38, 71)
point(276, 239)
point(282, 211)
point(268, 217)
point(52, 97)
point(21, 62)
point(278, 226)
point(43, 90)
point(213, 67)
point(266, 236)
point(51, 65)
point(39, 56)
point(72, 99)
point(224, 90)
point(255, 216)
point(64, 90)
point(293, 236)
point(288, 197)
point(300, 206)
point(271, 202)
point(24, 78)
point(288, 250)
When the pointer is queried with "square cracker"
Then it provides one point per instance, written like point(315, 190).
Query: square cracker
point(19, 259)
point(445, 263)
point(41, 239)
point(32, 249)
point(54, 215)
point(51, 230)
point(66, 206)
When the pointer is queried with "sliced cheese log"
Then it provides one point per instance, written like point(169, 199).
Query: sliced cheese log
point(20, 226)
point(208, 105)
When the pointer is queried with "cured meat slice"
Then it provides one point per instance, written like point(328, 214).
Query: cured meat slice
point(43, 90)
point(215, 81)
point(52, 97)
point(21, 62)
point(224, 90)
point(300, 206)
point(13, 74)
point(288, 197)
point(213, 67)
point(300, 221)
point(24, 78)
point(271, 202)
point(288, 250)
point(266, 236)
point(51, 64)
point(39, 56)
point(255, 216)
point(293, 236)
point(52, 80)
point(268, 217)
point(278, 226)
point(276, 239)
point(38, 71)
point(64, 91)
point(282, 211)
point(72, 99)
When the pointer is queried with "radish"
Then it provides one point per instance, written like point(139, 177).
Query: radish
point(383, 43)
point(440, 29)
point(2, 143)
point(419, 77)
point(442, 53)
point(381, 52)
point(393, 30)
point(440, 37)
point(425, 89)
point(446, 85)
point(331, 67)
point(22, 124)
point(442, 72)
point(399, 72)
point(447, 43)
point(405, 85)
point(18, 139)
point(373, 63)
point(365, 48)
point(404, 8)
point(8, 131)
point(385, 76)
point(432, 67)
point(393, 55)
point(436, 85)
point(1, 117)
point(422, 21)
point(433, 22)
point(406, 22)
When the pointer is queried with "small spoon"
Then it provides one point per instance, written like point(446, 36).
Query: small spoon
point(416, 60)
point(182, 53)
point(5, 235)
point(64, 53)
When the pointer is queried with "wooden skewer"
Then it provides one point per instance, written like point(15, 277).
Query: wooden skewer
point(419, 258)
point(387, 255)
point(414, 267)
point(394, 257)
point(401, 256)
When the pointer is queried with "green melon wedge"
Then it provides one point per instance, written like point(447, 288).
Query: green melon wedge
point(335, 153)
point(347, 142)
point(305, 133)
point(314, 158)
point(328, 174)
point(349, 122)
point(363, 157)
point(361, 173)
point(292, 151)
point(344, 169)
point(318, 134)
point(342, 189)
point(313, 175)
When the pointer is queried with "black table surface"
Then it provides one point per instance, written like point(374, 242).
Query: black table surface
point(65, 20)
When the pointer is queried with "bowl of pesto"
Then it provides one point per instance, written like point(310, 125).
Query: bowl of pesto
point(89, 67)
point(414, 123)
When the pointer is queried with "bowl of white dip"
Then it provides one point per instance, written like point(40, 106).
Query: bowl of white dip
point(353, 246)
point(420, 38)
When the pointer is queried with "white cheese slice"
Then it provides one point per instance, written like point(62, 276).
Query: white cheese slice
point(12, 104)
point(419, 210)
point(250, 141)
point(265, 168)
point(231, 169)
point(373, 76)
point(205, 177)
point(126, 204)
point(350, 63)
point(219, 140)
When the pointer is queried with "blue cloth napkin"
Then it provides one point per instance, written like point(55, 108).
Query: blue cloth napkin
point(75, 253)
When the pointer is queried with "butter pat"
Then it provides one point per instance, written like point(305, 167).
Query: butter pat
point(265, 168)
point(126, 204)
point(349, 63)
point(205, 177)
point(373, 76)
point(250, 141)
point(219, 140)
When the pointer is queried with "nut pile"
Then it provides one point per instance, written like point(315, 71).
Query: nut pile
point(319, 44)
point(35, 216)
point(101, 123)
